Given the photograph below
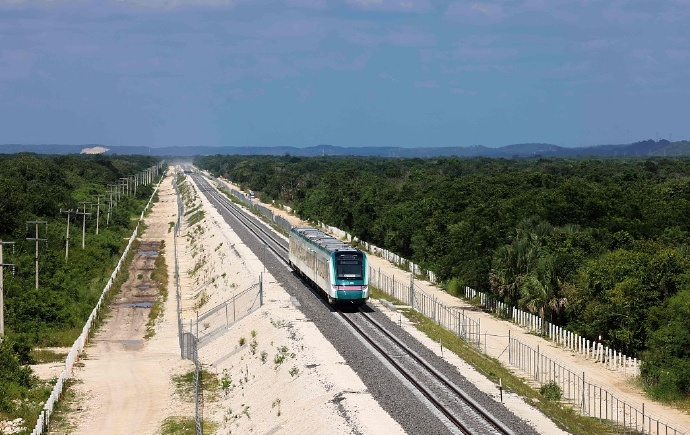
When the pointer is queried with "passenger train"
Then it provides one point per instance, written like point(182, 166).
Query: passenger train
point(340, 271)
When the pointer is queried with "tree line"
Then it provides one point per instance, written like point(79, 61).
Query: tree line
point(38, 188)
point(599, 246)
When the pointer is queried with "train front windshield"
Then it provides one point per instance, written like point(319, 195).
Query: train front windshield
point(349, 265)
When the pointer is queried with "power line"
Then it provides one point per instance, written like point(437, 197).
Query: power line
point(98, 209)
point(37, 239)
point(83, 226)
point(69, 212)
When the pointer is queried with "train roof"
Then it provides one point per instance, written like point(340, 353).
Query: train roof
point(323, 240)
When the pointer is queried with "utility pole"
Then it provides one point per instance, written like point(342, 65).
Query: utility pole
point(83, 225)
point(110, 203)
point(124, 182)
point(2, 289)
point(112, 189)
point(98, 209)
point(69, 212)
point(37, 239)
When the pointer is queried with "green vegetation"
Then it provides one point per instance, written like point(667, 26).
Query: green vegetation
point(551, 391)
point(598, 246)
point(37, 188)
point(159, 275)
point(186, 425)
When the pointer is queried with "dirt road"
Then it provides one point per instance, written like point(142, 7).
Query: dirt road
point(124, 386)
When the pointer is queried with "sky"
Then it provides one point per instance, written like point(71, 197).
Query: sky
point(351, 73)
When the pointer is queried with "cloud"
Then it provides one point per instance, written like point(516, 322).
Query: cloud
point(461, 91)
point(15, 64)
point(476, 13)
point(426, 84)
point(366, 34)
point(334, 61)
point(679, 55)
point(307, 4)
point(385, 76)
point(415, 6)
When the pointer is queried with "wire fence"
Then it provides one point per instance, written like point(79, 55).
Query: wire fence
point(43, 421)
point(200, 331)
point(210, 325)
point(589, 398)
point(451, 318)
point(264, 211)
point(595, 351)
point(176, 233)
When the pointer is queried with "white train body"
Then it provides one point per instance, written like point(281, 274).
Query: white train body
point(336, 268)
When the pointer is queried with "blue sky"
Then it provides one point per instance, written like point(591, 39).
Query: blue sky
point(411, 73)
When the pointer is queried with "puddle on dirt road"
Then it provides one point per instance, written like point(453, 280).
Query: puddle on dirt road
point(143, 287)
point(132, 344)
point(149, 253)
point(139, 305)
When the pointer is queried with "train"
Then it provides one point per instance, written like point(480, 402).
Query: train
point(338, 270)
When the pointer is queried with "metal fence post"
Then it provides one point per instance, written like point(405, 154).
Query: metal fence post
point(261, 290)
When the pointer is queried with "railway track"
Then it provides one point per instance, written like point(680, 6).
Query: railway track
point(462, 414)
point(273, 242)
point(460, 410)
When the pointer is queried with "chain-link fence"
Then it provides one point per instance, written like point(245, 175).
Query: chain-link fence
point(216, 321)
point(451, 318)
point(197, 333)
point(613, 359)
point(264, 211)
point(590, 399)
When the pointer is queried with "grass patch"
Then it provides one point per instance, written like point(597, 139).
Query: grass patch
point(159, 275)
point(185, 425)
point(565, 417)
point(210, 385)
point(202, 299)
point(42, 356)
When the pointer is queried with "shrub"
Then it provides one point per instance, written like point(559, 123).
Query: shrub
point(551, 391)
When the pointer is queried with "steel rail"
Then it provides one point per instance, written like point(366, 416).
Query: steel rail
point(276, 245)
point(486, 415)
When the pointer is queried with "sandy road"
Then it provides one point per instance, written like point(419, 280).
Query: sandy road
point(124, 385)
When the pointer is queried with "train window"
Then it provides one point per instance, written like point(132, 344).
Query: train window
point(349, 266)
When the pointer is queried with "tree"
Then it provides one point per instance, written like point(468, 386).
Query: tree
point(666, 364)
point(540, 289)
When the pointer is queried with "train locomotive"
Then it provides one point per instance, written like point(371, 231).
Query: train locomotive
point(336, 268)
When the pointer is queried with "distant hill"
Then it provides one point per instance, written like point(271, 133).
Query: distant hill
point(525, 150)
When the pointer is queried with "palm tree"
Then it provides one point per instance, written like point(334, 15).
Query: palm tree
point(540, 289)
point(513, 263)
